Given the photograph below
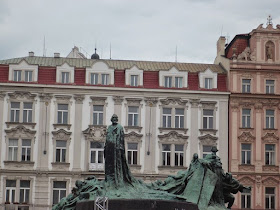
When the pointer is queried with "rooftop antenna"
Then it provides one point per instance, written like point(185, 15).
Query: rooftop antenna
point(110, 51)
point(176, 54)
point(269, 20)
point(227, 37)
point(222, 31)
point(44, 47)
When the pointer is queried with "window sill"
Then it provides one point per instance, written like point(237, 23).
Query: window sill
point(9, 162)
point(32, 125)
point(161, 129)
point(134, 166)
point(132, 128)
point(60, 166)
point(68, 126)
point(208, 131)
point(97, 126)
point(243, 128)
point(270, 129)
point(271, 168)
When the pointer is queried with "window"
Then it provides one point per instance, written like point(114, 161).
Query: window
point(15, 111)
point(206, 150)
point(208, 84)
point(270, 198)
point(179, 155)
point(65, 77)
point(269, 86)
point(60, 151)
point(166, 153)
point(17, 75)
point(269, 119)
point(26, 150)
point(27, 112)
point(59, 191)
point(105, 79)
point(246, 85)
point(28, 76)
point(178, 82)
point(96, 156)
point(269, 154)
point(132, 150)
point(134, 80)
point(246, 199)
point(10, 191)
point(208, 118)
point(98, 115)
point(167, 81)
point(62, 113)
point(245, 153)
point(24, 191)
point(166, 117)
point(179, 118)
point(246, 118)
point(93, 78)
point(133, 115)
point(13, 149)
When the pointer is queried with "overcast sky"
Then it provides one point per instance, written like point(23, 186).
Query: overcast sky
point(136, 29)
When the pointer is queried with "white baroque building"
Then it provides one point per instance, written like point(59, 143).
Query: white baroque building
point(54, 113)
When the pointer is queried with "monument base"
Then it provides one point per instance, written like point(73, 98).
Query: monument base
point(139, 204)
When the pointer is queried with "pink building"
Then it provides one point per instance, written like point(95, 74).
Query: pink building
point(253, 62)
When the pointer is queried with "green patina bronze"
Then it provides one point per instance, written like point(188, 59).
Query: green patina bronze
point(204, 183)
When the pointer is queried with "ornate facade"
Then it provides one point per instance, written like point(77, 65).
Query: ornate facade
point(253, 61)
point(54, 113)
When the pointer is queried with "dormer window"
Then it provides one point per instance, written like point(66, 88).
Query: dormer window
point(65, 77)
point(178, 82)
point(208, 83)
point(134, 77)
point(23, 72)
point(167, 81)
point(100, 74)
point(17, 75)
point(173, 78)
point(105, 79)
point(93, 78)
point(65, 74)
point(134, 80)
point(208, 79)
point(28, 76)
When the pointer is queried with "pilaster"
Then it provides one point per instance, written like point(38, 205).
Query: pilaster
point(194, 128)
point(2, 96)
point(118, 107)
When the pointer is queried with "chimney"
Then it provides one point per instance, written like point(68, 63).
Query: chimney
point(56, 55)
point(31, 54)
point(221, 45)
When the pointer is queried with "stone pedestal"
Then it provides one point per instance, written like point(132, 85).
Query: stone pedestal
point(139, 204)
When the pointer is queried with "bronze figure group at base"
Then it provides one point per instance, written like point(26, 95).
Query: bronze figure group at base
point(204, 183)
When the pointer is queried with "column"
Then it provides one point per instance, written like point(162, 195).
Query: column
point(194, 128)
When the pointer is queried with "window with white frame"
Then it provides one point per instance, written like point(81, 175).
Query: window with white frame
point(26, 150)
point(269, 119)
point(168, 81)
point(208, 118)
point(27, 112)
point(246, 153)
point(59, 191)
point(206, 150)
point(208, 83)
point(94, 78)
point(246, 118)
point(17, 75)
point(246, 199)
point(166, 117)
point(270, 198)
point(269, 86)
point(132, 150)
point(178, 82)
point(96, 156)
point(166, 154)
point(61, 147)
point(105, 79)
point(65, 77)
point(246, 85)
point(10, 191)
point(269, 154)
point(62, 113)
point(28, 76)
point(133, 113)
point(98, 111)
point(179, 154)
point(15, 111)
point(13, 150)
point(24, 191)
point(179, 118)
point(134, 80)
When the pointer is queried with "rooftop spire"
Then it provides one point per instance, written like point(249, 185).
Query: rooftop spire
point(269, 20)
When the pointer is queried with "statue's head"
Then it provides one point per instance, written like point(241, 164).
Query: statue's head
point(114, 119)
point(195, 156)
point(214, 149)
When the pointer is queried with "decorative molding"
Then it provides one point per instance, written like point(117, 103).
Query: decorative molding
point(21, 95)
point(137, 128)
point(95, 133)
point(26, 165)
point(246, 137)
point(246, 168)
point(270, 181)
point(63, 98)
point(194, 103)
point(208, 104)
point(234, 106)
point(270, 138)
point(98, 100)
point(61, 134)
point(133, 101)
point(118, 100)
point(133, 137)
point(246, 180)
point(25, 124)
point(161, 129)
point(208, 131)
point(208, 140)
point(45, 97)
point(60, 166)
point(173, 101)
point(62, 126)
point(270, 168)
point(151, 101)
point(173, 136)
point(79, 98)
point(2, 95)
point(20, 129)
point(258, 181)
